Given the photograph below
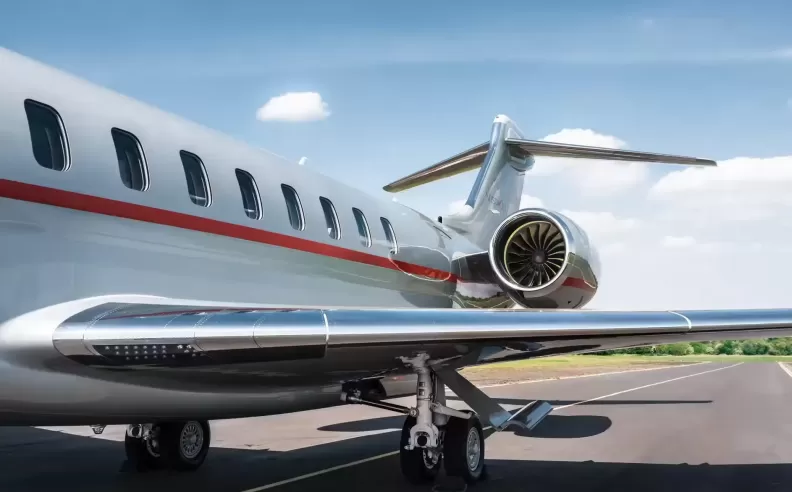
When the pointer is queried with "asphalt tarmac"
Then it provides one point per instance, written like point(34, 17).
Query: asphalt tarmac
point(705, 427)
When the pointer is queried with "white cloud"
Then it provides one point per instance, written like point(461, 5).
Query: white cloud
point(613, 248)
point(592, 177)
point(602, 226)
point(712, 247)
point(303, 160)
point(678, 242)
point(294, 106)
point(528, 201)
point(743, 188)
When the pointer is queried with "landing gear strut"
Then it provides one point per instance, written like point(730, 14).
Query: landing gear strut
point(438, 434)
point(435, 435)
point(179, 445)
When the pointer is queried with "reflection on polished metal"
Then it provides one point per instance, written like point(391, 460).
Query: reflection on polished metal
point(573, 241)
point(168, 335)
point(475, 157)
point(553, 149)
point(460, 163)
point(562, 270)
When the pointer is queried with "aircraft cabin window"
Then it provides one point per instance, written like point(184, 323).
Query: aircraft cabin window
point(389, 234)
point(197, 182)
point(363, 228)
point(251, 200)
point(48, 136)
point(131, 161)
point(294, 207)
point(331, 218)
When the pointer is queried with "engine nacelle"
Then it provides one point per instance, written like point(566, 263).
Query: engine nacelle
point(542, 259)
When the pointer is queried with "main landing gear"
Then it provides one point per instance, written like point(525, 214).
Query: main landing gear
point(435, 435)
point(179, 445)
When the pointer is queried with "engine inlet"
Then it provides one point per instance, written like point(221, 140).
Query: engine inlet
point(533, 255)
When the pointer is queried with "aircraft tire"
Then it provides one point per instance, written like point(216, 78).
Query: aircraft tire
point(463, 449)
point(184, 445)
point(416, 466)
point(143, 455)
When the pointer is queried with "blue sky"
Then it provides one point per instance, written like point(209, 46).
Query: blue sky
point(409, 83)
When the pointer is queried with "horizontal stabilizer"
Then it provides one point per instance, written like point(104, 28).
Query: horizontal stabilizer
point(553, 149)
point(466, 161)
point(475, 157)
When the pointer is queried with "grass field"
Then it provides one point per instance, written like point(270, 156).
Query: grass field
point(578, 365)
point(620, 360)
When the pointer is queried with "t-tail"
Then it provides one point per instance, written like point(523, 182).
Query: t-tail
point(503, 161)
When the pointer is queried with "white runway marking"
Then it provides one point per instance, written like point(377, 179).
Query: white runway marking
point(528, 381)
point(786, 369)
point(321, 472)
point(393, 453)
point(646, 386)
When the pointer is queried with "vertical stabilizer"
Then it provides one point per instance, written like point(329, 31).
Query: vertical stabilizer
point(498, 188)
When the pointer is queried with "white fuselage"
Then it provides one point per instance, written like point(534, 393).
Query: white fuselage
point(81, 248)
point(74, 239)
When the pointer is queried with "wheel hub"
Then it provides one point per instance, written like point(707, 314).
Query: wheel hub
point(191, 440)
point(152, 446)
point(473, 449)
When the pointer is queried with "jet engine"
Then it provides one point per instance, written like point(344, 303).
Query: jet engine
point(543, 259)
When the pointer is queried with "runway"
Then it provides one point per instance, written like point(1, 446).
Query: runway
point(718, 427)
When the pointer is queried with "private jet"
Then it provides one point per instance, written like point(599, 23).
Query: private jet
point(160, 275)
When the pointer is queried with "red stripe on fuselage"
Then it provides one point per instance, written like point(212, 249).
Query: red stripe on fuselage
point(115, 208)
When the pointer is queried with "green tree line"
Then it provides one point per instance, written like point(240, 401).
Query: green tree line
point(768, 346)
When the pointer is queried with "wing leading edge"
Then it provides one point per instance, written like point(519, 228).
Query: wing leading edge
point(175, 336)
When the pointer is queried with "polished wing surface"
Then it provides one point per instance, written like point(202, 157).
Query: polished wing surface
point(195, 336)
